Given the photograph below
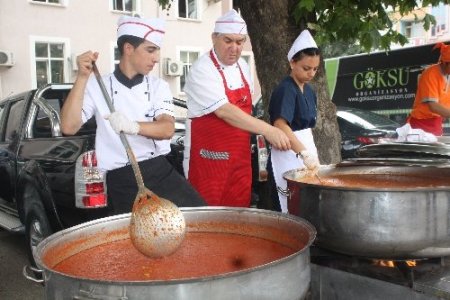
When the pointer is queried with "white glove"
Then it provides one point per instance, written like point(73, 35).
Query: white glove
point(120, 123)
point(310, 160)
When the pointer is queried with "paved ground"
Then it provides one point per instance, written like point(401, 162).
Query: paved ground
point(13, 285)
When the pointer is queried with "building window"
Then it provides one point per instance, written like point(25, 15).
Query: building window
point(188, 9)
point(188, 58)
point(407, 29)
point(49, 58)
point(116, 56)
point(123, 5)
point(247, 58)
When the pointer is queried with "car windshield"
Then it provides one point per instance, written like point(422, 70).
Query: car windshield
point(366, 119)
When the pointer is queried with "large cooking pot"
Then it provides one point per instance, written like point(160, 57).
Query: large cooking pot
point(286, 278)
point(376, 222)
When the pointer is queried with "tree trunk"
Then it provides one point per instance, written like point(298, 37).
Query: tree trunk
point(272, 30)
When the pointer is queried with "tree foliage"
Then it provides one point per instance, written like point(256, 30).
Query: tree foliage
point(366, 21)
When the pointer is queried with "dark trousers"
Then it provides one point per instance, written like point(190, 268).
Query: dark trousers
point(159, 176)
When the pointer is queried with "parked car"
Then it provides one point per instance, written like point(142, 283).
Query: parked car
point(362, 127)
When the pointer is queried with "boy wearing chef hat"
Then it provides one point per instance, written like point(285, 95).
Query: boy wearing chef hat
point(217, 144)
point(143, 111)
point(432, 103)
point(293, 108)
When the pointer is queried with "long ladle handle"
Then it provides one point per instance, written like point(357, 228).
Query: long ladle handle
point(123, 138)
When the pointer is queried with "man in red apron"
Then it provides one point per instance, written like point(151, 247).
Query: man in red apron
point(432, 103)
point(217, 144)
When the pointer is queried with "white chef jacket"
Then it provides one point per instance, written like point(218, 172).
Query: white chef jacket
point(205, 91)
point(142, 103)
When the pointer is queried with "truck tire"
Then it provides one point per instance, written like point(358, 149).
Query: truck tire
point(37, 228)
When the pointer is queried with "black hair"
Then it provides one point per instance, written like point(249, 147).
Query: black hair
point(305, 52)
point(130, 39)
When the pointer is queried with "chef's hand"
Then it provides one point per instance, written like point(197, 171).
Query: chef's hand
point(310, 160)
point(120, 123)
point(84, 63)
point(277, 138)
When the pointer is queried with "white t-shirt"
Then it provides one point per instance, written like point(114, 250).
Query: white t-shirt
point(143, 102)
point(205, 91)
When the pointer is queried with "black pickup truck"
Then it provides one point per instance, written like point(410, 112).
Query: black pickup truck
point(49, 181)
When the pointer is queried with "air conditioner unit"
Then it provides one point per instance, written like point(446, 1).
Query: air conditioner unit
point(6, 58)
point(173, 68)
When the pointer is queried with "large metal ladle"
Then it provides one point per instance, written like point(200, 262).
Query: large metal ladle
point(157, 226)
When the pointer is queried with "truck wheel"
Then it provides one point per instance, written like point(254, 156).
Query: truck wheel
point(37, 228)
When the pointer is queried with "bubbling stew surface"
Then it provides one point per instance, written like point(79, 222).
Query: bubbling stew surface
point(201, 254)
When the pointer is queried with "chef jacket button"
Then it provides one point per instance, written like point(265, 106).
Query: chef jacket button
point(152, 153)
point(115, 92)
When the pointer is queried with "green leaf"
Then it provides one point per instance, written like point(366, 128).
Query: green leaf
point(308, 5)
point(428, 20)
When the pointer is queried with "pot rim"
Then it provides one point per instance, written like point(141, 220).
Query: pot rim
point(290, 175)
point(309, 227)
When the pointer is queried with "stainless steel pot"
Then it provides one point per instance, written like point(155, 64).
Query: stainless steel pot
point(286, 278)
point(376, 222)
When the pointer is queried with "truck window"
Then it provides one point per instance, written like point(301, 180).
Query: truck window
point(14, 119)
point(42, 127)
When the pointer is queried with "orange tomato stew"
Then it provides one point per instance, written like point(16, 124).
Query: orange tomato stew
point(201, 254)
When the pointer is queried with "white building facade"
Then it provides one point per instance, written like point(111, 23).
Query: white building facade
point(411, 26)
point(40, 39)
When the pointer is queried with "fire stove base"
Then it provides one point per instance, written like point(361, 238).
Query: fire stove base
point(333, 284)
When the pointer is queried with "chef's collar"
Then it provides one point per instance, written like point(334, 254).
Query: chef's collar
point(223, 66)
point(129, 83)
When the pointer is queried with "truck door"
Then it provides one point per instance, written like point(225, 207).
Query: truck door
point(10, 131)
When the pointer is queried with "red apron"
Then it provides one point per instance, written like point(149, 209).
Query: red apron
point(220, 161)
point(431, 125)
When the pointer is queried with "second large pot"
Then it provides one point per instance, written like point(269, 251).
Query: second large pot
point(376, 222)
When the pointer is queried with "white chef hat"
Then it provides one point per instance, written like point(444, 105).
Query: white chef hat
point(303, 41)
point(151, 30)
point(230, 22)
